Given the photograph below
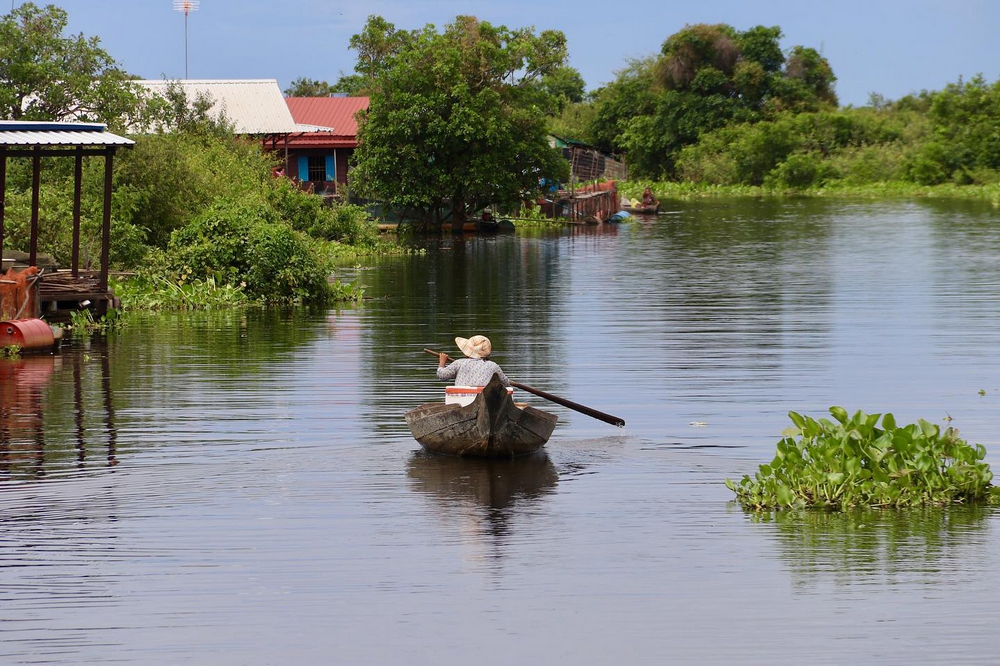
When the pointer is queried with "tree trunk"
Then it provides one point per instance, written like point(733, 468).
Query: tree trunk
point(457, 214)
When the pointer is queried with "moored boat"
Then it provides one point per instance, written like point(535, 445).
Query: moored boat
point(492, 425)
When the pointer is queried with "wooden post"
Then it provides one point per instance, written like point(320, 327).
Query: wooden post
point(36, 168)
point(109, 158)
point(3, 192)
point(77, 186)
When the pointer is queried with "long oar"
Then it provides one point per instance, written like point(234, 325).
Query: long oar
point(583, 409)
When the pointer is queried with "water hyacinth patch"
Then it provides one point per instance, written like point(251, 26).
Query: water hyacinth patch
point(854, 462)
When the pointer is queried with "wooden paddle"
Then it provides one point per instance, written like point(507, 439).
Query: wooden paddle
point(583, 409)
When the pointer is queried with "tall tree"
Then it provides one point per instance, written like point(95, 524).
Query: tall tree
point(457, 119)
point(705, 78)
point(48, 76)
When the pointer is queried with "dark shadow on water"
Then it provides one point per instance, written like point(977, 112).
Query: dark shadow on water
point(499, 483)
point(486, 495)
point(931, 546)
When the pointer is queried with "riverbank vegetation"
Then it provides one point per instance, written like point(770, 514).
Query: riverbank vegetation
point(197, 217)
point(852, 462)
point(723, 111)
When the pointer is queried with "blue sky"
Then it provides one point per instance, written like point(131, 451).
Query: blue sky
point(892, 47)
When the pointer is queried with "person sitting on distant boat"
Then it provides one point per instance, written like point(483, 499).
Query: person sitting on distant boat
point(647, 197)
point(477, 369)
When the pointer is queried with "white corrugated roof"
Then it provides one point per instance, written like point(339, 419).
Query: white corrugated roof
point(39, 133)
point(304, 128)
point(253, 106)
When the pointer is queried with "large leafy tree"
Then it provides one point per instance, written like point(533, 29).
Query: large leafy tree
point(566, 85)
point(303, 87)
point(706, 77)
point(351, 84)
point(457, 119)
point(45, 75)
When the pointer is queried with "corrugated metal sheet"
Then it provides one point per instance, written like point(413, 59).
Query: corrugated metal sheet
point(299, 127)
point(28, 133)
point(253, 106)
point(335, 112)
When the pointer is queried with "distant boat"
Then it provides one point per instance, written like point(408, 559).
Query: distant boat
point(494, 225)
point(492, 425)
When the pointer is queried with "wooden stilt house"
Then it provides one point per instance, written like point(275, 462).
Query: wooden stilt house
point(35, 141)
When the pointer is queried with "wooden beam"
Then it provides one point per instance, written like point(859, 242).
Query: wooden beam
point(54, 152)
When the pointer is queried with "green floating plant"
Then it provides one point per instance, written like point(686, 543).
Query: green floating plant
point(854, 462)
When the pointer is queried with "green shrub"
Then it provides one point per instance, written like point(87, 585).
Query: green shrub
point(930, 165)
point(876, 163)
point(799, 171)
point(284, 265)
point(307, 213)
point(242, 243)
point(853, 463)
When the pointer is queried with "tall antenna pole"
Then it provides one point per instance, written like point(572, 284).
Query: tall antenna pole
point(186, 6)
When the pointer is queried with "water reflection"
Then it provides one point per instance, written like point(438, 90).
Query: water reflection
point(35, 439)
point(886, 547)
point(483, 495)
point(498, 286)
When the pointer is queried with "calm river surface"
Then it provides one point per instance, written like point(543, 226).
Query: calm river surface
point(241, 488)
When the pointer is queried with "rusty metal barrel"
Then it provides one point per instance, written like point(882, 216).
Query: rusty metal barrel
point(28, 334)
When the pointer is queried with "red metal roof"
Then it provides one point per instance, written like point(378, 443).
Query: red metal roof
point(335, 112)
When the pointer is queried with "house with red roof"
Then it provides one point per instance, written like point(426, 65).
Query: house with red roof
point(320, 160)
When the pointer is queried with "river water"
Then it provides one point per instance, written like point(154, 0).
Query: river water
point(241, 488)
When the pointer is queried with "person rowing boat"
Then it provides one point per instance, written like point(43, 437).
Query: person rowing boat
point(475, 370)
point(478, 417)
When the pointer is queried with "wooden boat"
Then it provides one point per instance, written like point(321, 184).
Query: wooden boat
point(490, 426)
point(644, 209)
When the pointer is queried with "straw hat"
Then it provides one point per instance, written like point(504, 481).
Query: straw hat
point(478, 346)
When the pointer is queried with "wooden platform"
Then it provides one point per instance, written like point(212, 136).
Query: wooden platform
point(60, 290)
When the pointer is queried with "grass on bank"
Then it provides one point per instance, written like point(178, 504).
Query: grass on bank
point(664, 190)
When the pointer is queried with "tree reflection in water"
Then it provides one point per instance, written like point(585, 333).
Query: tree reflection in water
point(882, 546)
point(483, 494)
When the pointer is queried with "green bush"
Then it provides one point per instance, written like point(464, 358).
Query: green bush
point(799, 171)
point(876, 163)
point(929, 165)
point(284, 266)
point(242, 243)
point(309, 214)
point(850, 462)
point(861, 145)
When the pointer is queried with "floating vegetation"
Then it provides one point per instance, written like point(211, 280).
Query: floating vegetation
point(83, 322)
point(10, 351)
point(851, 462)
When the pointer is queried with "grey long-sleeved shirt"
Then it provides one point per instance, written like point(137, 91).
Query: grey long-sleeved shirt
point(472, 372)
